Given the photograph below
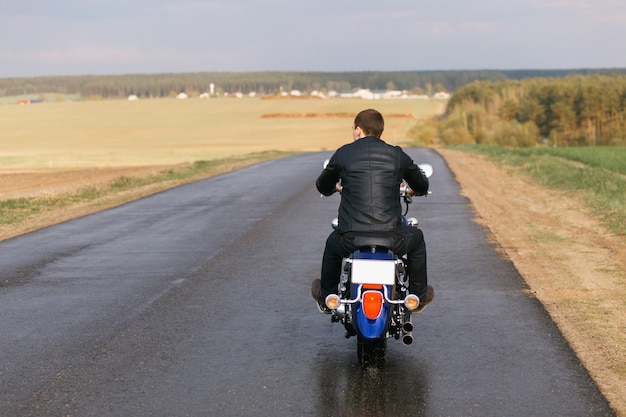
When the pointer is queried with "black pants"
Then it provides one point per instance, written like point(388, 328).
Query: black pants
point(411, 243)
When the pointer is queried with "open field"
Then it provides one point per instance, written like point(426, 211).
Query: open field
point(88, 156)
point(53, 136)
point(58, 160)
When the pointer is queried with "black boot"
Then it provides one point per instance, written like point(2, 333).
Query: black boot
point(425, 300)
point(316, 293)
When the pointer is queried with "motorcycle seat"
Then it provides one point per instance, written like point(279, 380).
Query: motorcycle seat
point(369, 241)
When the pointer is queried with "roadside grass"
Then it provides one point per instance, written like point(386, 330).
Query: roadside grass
point(597, 175)
point(547, 236)
point(19, 210)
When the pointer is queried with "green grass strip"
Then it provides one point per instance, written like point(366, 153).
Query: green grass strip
point(15, 211)
point(597, 174)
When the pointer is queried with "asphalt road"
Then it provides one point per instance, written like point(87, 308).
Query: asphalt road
point(195, 302)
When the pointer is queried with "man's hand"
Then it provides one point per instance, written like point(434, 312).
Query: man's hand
point(338, 188)
point(411, 193)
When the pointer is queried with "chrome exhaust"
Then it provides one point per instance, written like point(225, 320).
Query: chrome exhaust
point(407, 337)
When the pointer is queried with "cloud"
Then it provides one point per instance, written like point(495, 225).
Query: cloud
point(96, 55)
point(74, 36)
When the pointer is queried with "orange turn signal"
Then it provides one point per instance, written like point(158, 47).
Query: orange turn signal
point(411, 302)
point(332, 301)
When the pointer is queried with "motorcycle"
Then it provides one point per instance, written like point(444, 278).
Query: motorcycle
point(373, 301)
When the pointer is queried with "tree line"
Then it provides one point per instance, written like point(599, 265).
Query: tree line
point(271, 82)
point(576, 110)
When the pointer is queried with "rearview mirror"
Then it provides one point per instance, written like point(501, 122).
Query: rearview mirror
point(427, 169)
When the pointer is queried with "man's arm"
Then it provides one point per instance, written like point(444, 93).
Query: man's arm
point(328, 179)
point(418, 182)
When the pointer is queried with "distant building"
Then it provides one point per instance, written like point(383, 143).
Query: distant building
point(25, 101)
point(393, 94)
point(365, 94)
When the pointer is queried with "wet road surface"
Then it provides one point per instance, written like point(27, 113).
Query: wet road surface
point(195, 302)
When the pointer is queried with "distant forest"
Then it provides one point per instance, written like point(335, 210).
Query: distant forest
point(570, 111)
point(168, 85)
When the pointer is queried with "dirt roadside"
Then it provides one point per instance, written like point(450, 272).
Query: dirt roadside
point(18, 185)
point(36, 183)
point(571, 263)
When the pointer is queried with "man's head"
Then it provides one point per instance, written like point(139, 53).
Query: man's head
point(370, 122)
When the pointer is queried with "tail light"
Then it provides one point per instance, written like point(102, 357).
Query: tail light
point(372, 302)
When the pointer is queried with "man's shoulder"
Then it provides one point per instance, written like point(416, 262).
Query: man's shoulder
point(368, 142)
point(392, 148)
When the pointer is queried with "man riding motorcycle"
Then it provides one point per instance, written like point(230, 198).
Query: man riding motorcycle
point(368, 173)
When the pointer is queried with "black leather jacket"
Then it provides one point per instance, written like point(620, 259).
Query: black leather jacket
point(370, 171)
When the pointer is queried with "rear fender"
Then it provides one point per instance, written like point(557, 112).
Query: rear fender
point(364, 326)
point(371, 328)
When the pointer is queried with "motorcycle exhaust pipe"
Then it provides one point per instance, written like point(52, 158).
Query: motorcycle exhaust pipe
point(407, 338)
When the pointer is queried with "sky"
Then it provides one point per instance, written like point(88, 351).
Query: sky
point(77, 37)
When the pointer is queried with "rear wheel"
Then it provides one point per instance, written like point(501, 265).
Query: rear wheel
point(371, 352)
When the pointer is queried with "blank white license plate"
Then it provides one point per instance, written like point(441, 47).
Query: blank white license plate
point(372, 271)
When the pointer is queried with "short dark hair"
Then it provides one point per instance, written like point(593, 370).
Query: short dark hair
point(371, 122)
